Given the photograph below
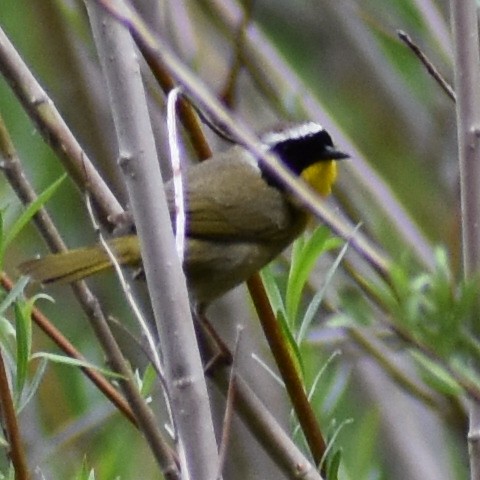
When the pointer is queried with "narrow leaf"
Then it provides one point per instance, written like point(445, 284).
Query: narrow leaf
point(23, 329)
point(63, 360)
point(13, 294)
point(29, 212)
point(302, 265)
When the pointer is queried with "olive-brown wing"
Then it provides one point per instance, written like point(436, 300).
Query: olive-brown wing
point(227, 199)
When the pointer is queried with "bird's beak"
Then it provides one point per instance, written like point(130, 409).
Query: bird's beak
point(331, 153)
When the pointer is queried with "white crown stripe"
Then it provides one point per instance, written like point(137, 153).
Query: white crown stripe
point(299, 131)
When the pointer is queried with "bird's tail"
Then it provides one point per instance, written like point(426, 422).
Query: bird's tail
point(79, 263)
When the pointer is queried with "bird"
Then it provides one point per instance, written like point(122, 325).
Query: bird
point(238, 216)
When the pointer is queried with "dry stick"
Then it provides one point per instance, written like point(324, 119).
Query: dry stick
point(431, 69)
point(54, 130)
point(228, 90)
point(266, 429)
point(293, 383)
point(17, 453)
point(464, 20)
point(57, 134)
point(169, 299)
point(229, 408)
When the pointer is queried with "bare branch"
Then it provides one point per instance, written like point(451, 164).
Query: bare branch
point(165, 278)
point(431, 69)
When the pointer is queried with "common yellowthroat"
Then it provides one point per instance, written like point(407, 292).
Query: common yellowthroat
point(238, 216)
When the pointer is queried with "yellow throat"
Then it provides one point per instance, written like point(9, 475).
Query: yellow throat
point(321, 176)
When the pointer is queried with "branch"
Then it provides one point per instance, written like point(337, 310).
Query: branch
point(54, 130)
point(17, 453)
point(289, 372)
point(165, 278)
point(431, 69)
point(464, 18)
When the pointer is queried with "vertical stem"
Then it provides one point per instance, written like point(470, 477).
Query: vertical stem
point(288, 371)
point(165, 280)
point(467, 83)
point(17, 454)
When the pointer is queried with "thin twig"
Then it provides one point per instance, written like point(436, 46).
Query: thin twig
point(228, 90)
point(229, 409)
point(17, 453)
point(431, 69)
point(266, 429)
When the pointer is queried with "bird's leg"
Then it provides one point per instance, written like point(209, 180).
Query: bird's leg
point(213, 349)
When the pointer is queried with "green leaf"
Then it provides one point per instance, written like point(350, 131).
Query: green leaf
point(148, 381)
point(7, 331)
point(86, 473)
point(319, 375)
point(436, 376)
point(13, 294)
point(318, 297)
point(29, 212)
point(32, 388)
point(334, 465)
point(332, 439)
point(273, 292)
point(23, 327)
point(306, 253)
point(291, 343)
point(73, 362)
